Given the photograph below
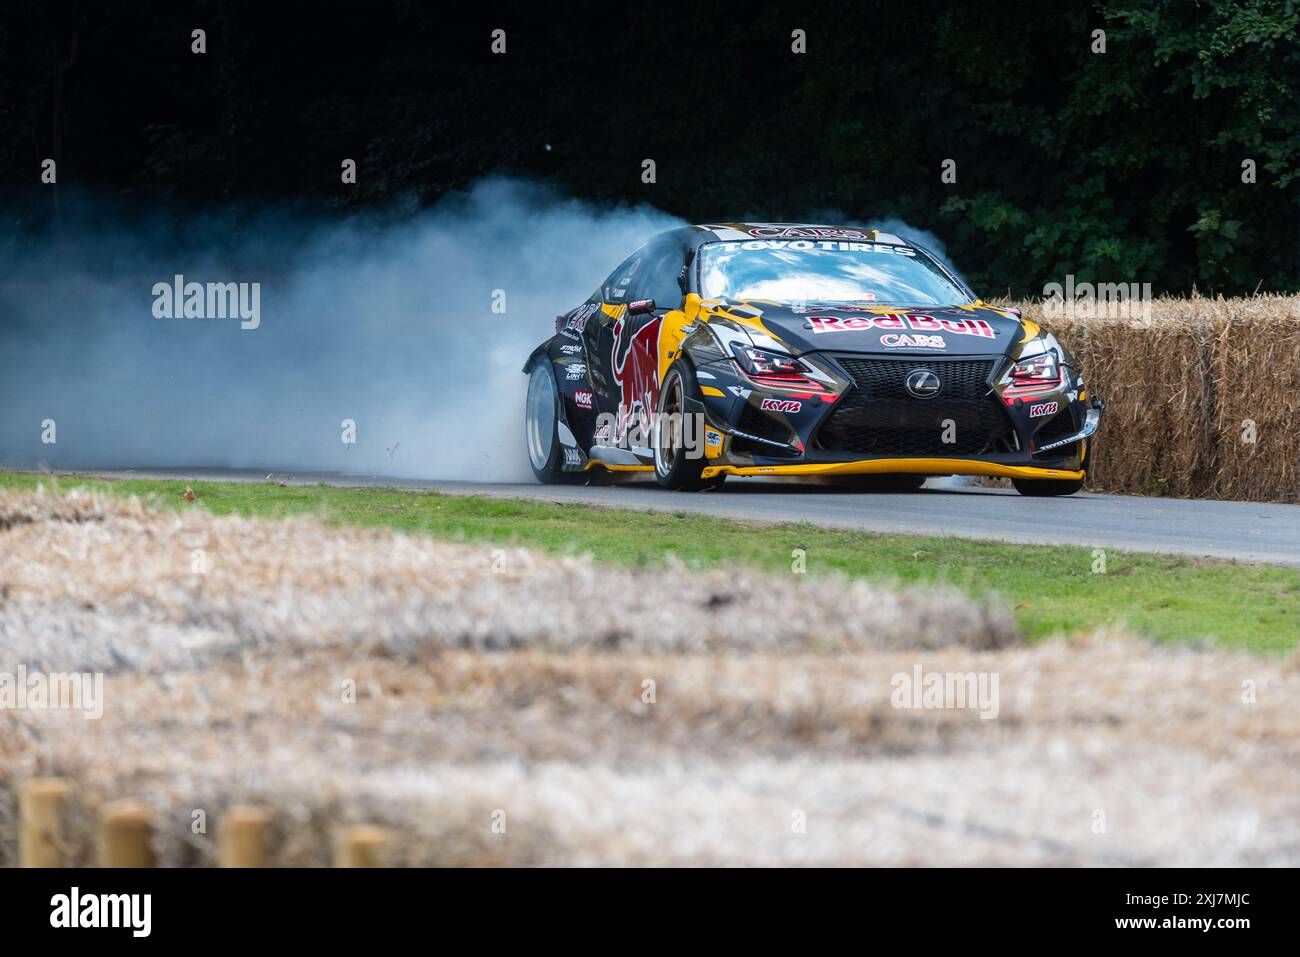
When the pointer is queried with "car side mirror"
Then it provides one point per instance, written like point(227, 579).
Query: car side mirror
point(641, 307)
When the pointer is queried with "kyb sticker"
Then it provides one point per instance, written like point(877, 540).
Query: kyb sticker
point(780, 405)
point(1042, 409)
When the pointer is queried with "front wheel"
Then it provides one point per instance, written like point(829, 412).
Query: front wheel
point(678, 463)
point(1038, 488)
point(1035, 488)
point(541, 426)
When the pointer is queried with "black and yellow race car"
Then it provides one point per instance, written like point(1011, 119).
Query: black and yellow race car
point(802, 350)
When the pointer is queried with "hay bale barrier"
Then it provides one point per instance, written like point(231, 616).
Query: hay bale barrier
point(351, 697)
point(1204, 396)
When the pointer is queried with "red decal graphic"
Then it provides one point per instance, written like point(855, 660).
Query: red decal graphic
point(636, 370)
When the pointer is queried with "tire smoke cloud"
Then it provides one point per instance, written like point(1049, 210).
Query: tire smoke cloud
point(384, 320)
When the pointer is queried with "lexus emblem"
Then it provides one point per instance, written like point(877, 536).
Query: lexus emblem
point(922, 383)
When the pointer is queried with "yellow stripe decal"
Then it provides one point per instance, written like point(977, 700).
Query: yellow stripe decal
point(898, 466)
point(596, 463)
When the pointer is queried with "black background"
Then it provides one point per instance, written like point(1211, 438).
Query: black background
point(1117, 167)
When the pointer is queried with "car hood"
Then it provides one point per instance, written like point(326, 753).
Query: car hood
point(972, 329)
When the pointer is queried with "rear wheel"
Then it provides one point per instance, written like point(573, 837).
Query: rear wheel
point(676, 466)
point(541, 427)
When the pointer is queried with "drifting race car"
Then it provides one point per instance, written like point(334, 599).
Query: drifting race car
point(801, 350)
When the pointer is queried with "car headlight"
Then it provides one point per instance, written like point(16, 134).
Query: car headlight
point(774, 368)
point(1039, 373)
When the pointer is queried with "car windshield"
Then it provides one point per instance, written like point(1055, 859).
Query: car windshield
point(824, 271)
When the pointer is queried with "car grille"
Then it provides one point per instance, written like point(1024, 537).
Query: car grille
point(878, 416)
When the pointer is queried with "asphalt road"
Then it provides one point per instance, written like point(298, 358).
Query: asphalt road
point(1243, 531)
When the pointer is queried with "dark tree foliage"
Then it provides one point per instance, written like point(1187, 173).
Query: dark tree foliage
point(1122, 166)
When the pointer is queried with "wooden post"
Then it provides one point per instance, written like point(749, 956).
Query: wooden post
point(361, 846)
point(125, 835)
point(241, 837)
point(40, 808)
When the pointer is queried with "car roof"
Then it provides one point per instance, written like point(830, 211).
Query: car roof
point(736, 231)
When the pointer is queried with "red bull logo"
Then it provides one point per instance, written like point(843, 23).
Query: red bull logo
point(963, 326)
point(636, 370)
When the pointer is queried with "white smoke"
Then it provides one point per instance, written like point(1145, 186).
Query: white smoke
point(384, 320)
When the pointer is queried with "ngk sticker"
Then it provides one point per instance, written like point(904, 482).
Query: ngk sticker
point(895, 320)
point(582, 398)
point(1042, 409)
point(780, 405)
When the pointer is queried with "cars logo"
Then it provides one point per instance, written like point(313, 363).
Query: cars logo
point(922, 383)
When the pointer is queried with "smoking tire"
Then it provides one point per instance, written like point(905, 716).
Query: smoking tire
point(675, 468)
point(541, 427)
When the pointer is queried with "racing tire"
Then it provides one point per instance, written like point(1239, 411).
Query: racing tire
point(1038, 488)
point(541, 427)
point(674, 468)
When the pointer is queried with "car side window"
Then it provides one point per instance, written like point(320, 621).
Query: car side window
point(657, 279)
point(618, 287)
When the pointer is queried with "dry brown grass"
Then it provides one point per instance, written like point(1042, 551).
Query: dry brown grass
point(521, 691)
point(1181, 388)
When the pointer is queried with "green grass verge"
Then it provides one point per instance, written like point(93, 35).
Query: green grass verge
point(1053, 588)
